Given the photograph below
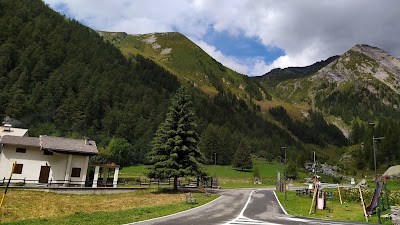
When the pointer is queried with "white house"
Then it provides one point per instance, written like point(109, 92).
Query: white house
point(46, 160)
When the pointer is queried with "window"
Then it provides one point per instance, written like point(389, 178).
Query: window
point(76, 172)
point(18, 168)
point(21, 150)
point(46, 152)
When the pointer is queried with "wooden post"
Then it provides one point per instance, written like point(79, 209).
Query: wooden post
point(362, 202)
point(8, 184)
point(315, 193)
point(340, 196)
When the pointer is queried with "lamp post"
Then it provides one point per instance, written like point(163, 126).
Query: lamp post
point(215, 164)
point(280, 173)
point(285, 172)
point(376, 176)
point(374, 147)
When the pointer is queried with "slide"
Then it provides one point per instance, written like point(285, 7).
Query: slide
point(375, 198)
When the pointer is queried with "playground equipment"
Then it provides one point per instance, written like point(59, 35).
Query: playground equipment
point(379, 201)
point(320, 197)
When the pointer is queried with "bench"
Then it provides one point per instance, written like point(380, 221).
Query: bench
point(189, 198)
point(302, 192)
point(204, 191)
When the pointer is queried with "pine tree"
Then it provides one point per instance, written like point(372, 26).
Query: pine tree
point(175, 152)
point(242, 158)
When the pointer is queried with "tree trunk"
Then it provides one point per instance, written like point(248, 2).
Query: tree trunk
point(175, 183)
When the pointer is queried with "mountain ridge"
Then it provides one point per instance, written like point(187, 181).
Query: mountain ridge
point(187, 61)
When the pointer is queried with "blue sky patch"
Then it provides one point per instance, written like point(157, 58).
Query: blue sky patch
point(242, 47)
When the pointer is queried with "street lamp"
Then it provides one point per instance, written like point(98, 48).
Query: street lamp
point(285, 171)
point(374, 147)
point(376, 177)
point(280, 173)
point(215, 164)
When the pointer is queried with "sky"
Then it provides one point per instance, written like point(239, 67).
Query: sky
point(251, 36)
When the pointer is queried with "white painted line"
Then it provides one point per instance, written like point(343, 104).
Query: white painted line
point(283, 209)
point(296, 219)
point(174, 213)
point(240, 220)
point(245, 206)
point(246, 221)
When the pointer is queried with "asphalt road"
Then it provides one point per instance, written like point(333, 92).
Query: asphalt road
point(236, 207)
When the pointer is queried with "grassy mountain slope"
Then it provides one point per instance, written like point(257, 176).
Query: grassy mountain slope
point(187, 61)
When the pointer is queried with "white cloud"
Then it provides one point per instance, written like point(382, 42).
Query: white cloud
point(307, 31)
point(229, 61)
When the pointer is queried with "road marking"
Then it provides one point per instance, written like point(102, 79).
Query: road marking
point(295, 219)
point(283, 209)
point(310, 221)
point(242, 220)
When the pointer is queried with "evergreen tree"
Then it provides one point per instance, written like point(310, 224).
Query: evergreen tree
point(242, 158)
point(175, 152)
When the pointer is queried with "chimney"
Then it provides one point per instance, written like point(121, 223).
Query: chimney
point(7, 127)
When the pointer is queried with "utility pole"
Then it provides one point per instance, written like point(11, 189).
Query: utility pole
point(285, 173)
point(374, 147)
point(376, 176)
point(315, 166)
point(280, 173)
point(215, 164)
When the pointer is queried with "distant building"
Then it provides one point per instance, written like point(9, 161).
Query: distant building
point(44, 160)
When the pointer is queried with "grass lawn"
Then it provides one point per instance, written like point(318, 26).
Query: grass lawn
point(228, 176)
point(300, 206)
point(36, 207)
point(133, 171)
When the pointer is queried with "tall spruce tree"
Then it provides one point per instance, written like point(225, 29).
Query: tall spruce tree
point(242, 158)
point(175, 152)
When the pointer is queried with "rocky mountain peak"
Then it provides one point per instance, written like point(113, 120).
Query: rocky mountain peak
point(389, 62)
point(363, 63)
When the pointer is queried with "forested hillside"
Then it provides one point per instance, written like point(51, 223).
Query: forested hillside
point(61, 78)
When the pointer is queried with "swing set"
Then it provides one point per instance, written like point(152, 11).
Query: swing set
point(379, 201)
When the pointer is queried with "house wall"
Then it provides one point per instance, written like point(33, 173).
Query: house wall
point(32, 161)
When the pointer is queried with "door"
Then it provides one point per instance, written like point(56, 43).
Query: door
point(44, 174)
